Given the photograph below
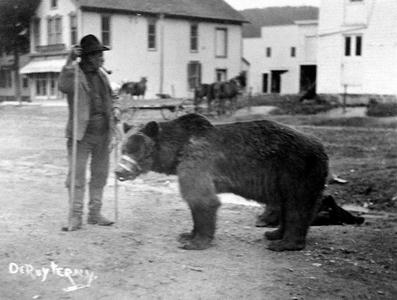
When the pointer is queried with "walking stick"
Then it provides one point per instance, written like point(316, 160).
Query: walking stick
point(116, 184)
point(74, 144)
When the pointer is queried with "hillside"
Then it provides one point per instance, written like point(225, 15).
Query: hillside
point(271, 16)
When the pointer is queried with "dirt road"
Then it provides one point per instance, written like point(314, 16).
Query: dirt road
point(140, 259)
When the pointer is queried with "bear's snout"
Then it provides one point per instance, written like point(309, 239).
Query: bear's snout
point(127, 169)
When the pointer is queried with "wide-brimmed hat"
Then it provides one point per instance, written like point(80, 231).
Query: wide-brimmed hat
point(90, 44)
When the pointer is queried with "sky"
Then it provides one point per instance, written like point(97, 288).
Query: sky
point(244, 4)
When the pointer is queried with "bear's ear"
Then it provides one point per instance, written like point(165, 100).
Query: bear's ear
point(151, 129)
point(126, 127)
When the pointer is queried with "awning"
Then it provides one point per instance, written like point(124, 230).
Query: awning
point(44, 66)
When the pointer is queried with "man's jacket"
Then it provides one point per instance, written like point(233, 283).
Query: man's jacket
point(66, 85)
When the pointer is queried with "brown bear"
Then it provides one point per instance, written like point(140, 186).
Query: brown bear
point(260, 160)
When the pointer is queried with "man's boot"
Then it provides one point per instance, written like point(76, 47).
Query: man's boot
point(95, 205)
point(76, 220)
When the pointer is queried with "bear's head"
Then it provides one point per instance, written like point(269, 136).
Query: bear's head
point(136, 151)
point(159, 147)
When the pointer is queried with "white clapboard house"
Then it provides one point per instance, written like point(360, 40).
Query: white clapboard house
point(357, 49)
point(174, 44)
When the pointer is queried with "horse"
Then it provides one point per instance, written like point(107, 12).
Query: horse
point(227, 91)
point(134, 88)
point(220, 92)
point(202, 91)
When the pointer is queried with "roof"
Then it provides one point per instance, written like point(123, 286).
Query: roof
point(205, 9)
point(43, 66)
point(275, 16)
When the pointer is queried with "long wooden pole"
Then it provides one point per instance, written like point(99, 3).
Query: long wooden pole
point(116, 185)
point(74, 145)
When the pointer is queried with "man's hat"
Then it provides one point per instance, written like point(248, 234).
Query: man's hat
point(90, 44)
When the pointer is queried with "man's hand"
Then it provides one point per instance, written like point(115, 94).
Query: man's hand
point(74, 53)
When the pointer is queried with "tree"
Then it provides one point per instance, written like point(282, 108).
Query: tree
point(15, 18)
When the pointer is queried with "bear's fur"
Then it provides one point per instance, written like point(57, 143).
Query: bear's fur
point(260, 160)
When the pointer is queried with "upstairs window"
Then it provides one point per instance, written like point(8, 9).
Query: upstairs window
point(36, 32)
point(54, 29)
point(54, 3)
point(152, 34)
point(353, 45)
point(268, 52)
point(221, 42)
point(105, 29)
point(194, 37)
point(293, 51)
point(73, 29)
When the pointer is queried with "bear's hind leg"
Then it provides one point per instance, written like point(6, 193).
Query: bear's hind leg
point(279, 232)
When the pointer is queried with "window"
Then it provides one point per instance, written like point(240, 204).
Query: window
point(54, 29)
point(193, 74)
point(25, 82)
point(5, 78)
point(41, 85)
point(194, 37)
point(348, 41)
point(73, 29)
point(152, 34)
point(36, 32)
point(353, 45)
point(221, 42)
point(293, 51)
point(105, 27)
point(220, 75)
point(268, 52)
point(265, 82)
point(358, 45)
point(54, 3)
point(53, 84)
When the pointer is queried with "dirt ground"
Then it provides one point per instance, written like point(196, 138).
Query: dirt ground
point(139, 258)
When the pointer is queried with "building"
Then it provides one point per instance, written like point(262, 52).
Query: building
point(7, 77)
point(174, 44)
point(283, 59)
point(357, 49)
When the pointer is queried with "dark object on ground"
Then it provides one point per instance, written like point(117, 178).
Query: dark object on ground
point(377, 109)
point(329, 213)
point(261, 160)
point(134, 88)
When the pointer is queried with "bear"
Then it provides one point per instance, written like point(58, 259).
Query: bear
point(265, 161)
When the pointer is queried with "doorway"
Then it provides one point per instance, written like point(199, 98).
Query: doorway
point(276, 81)
point(308, 75)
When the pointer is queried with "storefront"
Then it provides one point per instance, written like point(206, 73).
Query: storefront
point(43, 78)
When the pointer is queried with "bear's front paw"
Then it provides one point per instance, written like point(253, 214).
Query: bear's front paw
point(283, 245)
point(196, 244)
point(185, 237)
point(274, 235)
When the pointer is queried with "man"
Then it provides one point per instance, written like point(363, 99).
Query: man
point(96, 117)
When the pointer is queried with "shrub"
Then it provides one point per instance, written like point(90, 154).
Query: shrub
point(377, 109)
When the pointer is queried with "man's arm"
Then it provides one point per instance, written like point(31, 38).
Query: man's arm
point(66, 78)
